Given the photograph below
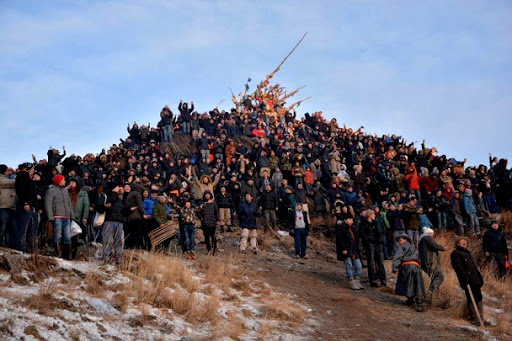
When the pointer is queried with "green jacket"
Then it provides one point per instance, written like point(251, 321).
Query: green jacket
point(160, 213)
point(82, 206)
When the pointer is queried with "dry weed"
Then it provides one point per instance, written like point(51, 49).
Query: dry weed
point(281, 308)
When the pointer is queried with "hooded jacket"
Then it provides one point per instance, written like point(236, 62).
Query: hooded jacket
point(209, 212)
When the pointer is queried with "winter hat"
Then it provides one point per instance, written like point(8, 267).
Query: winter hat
point(427, 230)
point(405, 236)
point(3, 169)
point(57, 179)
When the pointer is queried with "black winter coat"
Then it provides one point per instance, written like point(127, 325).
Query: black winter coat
point(395, 221)
point(466, 268)
point(268, 200)
point(495, 242)
point(209, 214)
point(347, 241)
point(25, 190)
point(370, 232)
point(224, 200)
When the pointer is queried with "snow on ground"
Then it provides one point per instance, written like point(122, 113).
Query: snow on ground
point(64, 304)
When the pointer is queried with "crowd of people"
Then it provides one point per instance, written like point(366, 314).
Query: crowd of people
point(388, 197)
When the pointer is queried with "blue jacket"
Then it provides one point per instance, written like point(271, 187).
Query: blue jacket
point(248, 213)
point(469, 204)
point(147, 205)
point(425, 222)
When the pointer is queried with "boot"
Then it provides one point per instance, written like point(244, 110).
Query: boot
point(419, 305)
point(66, 252)
point(58, 249)
point(357, 279)
point(221, 228)
point(230, 228)
point(352, 284)
point(192, 255)
point(409, 302)
point(480, 306)
point(472, 315)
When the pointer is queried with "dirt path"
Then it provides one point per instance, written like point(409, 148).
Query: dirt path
point(344, 314)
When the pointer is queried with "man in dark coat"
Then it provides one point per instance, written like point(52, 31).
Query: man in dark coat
point(470, 278)
point(373, 244)
point(248, 212)
point(347, 249)
point(210, 218)
point(430, 262)
point(26, 216)
point(495, 248)
point(269, 204)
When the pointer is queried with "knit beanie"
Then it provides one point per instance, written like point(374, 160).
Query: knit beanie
point(57, 179)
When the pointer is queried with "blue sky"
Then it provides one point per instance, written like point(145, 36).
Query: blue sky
point(74, 73)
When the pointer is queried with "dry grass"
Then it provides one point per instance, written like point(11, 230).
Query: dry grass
point(451, 296)
point(281, 308)
point(94, 283)
point(162, 281)
point(44, 301)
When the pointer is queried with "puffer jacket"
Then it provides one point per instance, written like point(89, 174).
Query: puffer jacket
point(210, 214)
point(268, 200)
point(58, 203)
point(7, 197)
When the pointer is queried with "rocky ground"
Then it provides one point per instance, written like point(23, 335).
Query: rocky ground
point(232, 296)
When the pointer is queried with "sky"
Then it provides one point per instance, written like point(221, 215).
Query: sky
point(76, 72)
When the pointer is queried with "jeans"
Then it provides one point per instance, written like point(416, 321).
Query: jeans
point(113, 233)
point(189, 237)
point(395, 243)
point(459, 222)
point(375, 256)
point(356, 263)
point(492, 205)
point(186, 127)
point(62, 227)
point(26, 225)
point(474, 225)
point(6, 225)
point(441, 221)
point(414, 235)
point(300, 242)
point(167, 130)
